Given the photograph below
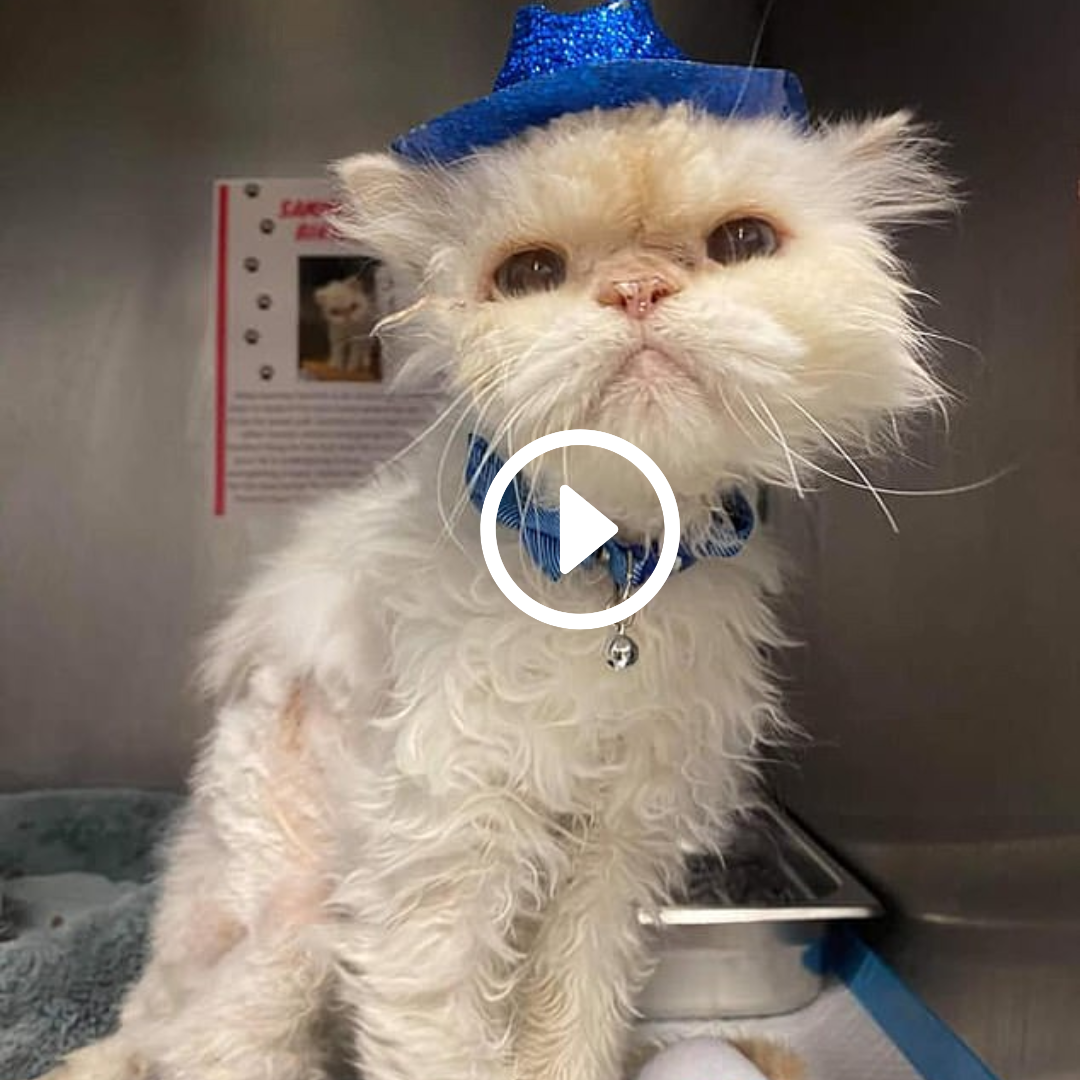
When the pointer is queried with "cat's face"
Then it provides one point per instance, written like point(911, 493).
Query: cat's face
point(718, 293)
point(342, 302)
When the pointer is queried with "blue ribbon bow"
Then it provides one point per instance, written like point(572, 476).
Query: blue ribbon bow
point(628, 564)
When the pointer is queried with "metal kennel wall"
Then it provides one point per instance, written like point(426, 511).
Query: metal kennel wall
point(939, 680)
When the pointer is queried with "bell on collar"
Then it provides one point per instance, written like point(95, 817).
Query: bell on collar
point(620, 651)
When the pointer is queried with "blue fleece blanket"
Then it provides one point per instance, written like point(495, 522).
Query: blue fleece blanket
point(76, 893)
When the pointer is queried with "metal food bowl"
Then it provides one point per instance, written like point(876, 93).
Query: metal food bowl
point(742, 940)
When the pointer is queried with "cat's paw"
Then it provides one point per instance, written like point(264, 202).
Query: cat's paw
point(110, 1059)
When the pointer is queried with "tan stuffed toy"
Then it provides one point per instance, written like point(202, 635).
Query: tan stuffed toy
point(718, 1059)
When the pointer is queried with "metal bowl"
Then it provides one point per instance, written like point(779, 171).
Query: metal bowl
point(745, 938)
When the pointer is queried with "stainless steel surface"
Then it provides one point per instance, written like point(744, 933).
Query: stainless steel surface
point(816, 887)
point(730, 951)
point(731, 970)
point(941, 683)
point(989, 935)
point(1013, 998)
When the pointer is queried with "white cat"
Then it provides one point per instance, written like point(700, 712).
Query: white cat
point(424, 819)
point(347, 311)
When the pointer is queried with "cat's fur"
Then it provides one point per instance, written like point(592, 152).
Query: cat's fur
point(421, 806)
point(347, 311)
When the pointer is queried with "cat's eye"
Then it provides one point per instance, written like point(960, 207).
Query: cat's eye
point(741, 239)
point(534, 270)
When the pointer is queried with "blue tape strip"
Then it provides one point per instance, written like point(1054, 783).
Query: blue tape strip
point(932, 1047)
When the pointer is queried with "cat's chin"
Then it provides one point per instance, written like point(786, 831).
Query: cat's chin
point(647, 378)
point(653, 367)
point(658, 404)
point(690, 447)
point(654, 400)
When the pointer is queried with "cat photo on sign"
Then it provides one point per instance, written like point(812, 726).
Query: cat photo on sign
point(338, 309)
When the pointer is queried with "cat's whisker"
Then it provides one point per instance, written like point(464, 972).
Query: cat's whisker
point(543, 421)
point(430, 429)
point(838, 373)
point(509, 433)
point(450, 520)
point(503, 431)
point(483, 403)
point(526, 566)
point(942, 407)
point(759, 37)
point(402, 315)
point(784, 445)
point(856, 468)
point(425, 366)
point(776, 436)
point(966, 346)
point(959, 489)
point(440, 471)
point(521, 549)
point(894, 426)
point(733, 413)
point(755, 52)
point(487, 393)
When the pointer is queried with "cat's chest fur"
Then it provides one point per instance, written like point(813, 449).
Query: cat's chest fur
point(483, 694)
point(440, 690)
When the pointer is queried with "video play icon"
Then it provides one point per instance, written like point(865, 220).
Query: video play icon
point(582, 529)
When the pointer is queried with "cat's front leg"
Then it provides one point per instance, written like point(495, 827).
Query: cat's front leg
point(356, 354)
point(235, 986)
point(589, 958)
point(426, 953)
point(338, 346)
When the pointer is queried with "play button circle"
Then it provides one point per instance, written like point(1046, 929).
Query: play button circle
point(582, 529)
point(580, 525)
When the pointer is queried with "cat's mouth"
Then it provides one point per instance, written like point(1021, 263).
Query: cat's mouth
point(639, 383)
point(647, 370)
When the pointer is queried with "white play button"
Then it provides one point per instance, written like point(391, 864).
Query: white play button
point(582, 529)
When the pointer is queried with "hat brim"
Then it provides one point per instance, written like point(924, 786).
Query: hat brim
point(727, 91)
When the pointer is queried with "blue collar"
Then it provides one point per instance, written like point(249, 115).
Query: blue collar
point(628, 564)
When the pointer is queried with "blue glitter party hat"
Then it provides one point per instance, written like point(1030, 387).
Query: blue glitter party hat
point(606, 57)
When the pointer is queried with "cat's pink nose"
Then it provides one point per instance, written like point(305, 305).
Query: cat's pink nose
point(636, 296)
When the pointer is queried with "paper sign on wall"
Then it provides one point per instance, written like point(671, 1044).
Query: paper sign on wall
point(302, 395)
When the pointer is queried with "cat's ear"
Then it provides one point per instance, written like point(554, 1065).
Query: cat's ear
point(390, 207)
point(891, 169)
